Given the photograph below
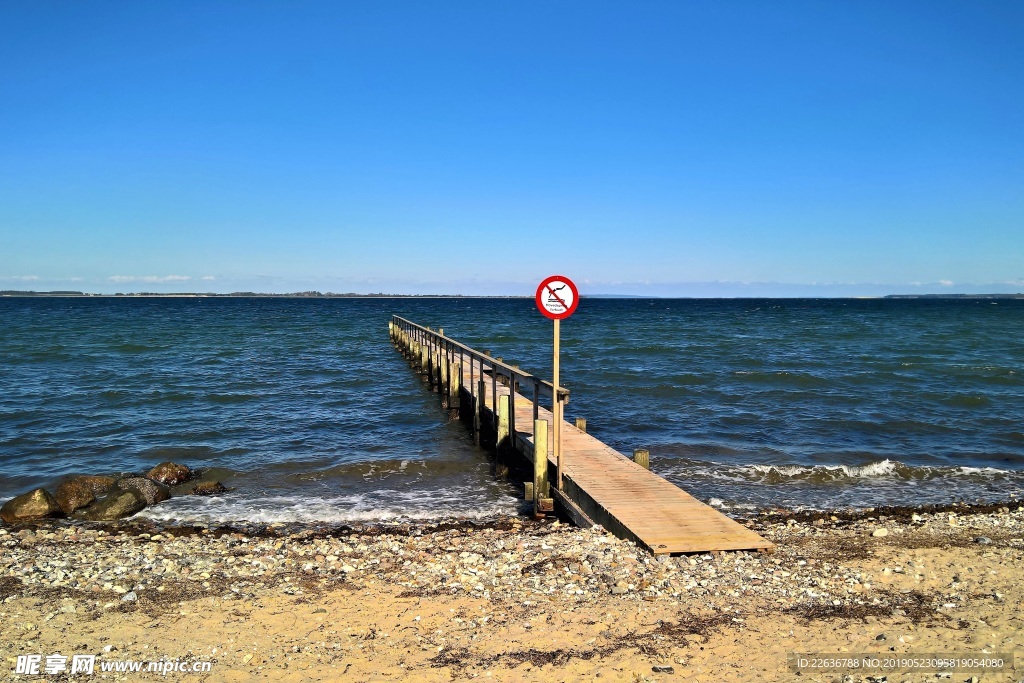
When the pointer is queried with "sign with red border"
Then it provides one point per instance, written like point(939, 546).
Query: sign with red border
point(557, 297)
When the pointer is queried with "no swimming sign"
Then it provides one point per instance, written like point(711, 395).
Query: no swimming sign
point(557, 297)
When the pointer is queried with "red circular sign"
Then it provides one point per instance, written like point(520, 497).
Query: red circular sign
point(557, 297)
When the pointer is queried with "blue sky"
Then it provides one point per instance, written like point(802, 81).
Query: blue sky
point(667, 148)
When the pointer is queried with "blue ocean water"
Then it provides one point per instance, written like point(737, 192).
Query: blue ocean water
point(303, 407)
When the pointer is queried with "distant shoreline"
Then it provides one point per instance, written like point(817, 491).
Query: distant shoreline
point(353, 295)
point(249, 295)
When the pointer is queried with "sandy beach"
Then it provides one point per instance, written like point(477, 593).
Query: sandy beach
point(516, 600)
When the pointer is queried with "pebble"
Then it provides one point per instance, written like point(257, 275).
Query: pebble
point(519, 559)
point(663, 669)
point(983, 540)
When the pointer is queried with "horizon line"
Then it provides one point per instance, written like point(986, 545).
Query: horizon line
point(312, 294)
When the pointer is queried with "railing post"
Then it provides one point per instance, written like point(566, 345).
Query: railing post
point(454, 385)
point(481, 399)
point(435, 368)
point(581, 424)
point(474, 404)
point(503, 405)
point(443, 372)
point(512, 414)
point(540, 467)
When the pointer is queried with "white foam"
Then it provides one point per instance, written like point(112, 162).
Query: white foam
point(382, 506)
point(873, 469)
point(981, 470)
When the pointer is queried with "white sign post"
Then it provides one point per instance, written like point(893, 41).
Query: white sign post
point(557, 298)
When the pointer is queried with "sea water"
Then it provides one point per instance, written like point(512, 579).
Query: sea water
point(303, 408)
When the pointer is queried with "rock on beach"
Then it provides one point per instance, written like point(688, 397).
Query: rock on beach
point(36, 504)
point(152, 492)
point(116, 505)
point(74, 494)
point(170, 473)
point(99, 485)
point(208, 488)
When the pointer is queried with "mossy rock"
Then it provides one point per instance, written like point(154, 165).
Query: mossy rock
point(152, 492)
point(169, 473)
point(36, 504)
point(116, 505)
point(74, 494)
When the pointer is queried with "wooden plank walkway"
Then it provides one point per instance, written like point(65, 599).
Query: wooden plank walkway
point(600, 485)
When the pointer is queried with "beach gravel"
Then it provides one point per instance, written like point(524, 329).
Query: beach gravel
point(513, 598)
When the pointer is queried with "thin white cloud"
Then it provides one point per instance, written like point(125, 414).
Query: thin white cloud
point(946, 283)
point(20, 278)
point(151, 279)
point(208, 277)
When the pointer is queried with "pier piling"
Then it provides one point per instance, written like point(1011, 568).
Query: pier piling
point(540, 468)
point(642, 457)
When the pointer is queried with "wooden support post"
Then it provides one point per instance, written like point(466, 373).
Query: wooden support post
point(481, 399)
point(642, 457)
point(476, 403)
point(454, 385)
point(435, 369)
point(503, 407)
point(541, 500)
point(424, 362)
point(438, 361)
point(527, 490)
point(581, 424)
point(444, 386)
point(512, 421)
point(474, 407)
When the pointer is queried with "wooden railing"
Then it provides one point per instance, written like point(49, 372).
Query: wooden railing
point(479, 365)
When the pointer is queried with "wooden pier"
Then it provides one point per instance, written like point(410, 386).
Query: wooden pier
point(502, 405)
